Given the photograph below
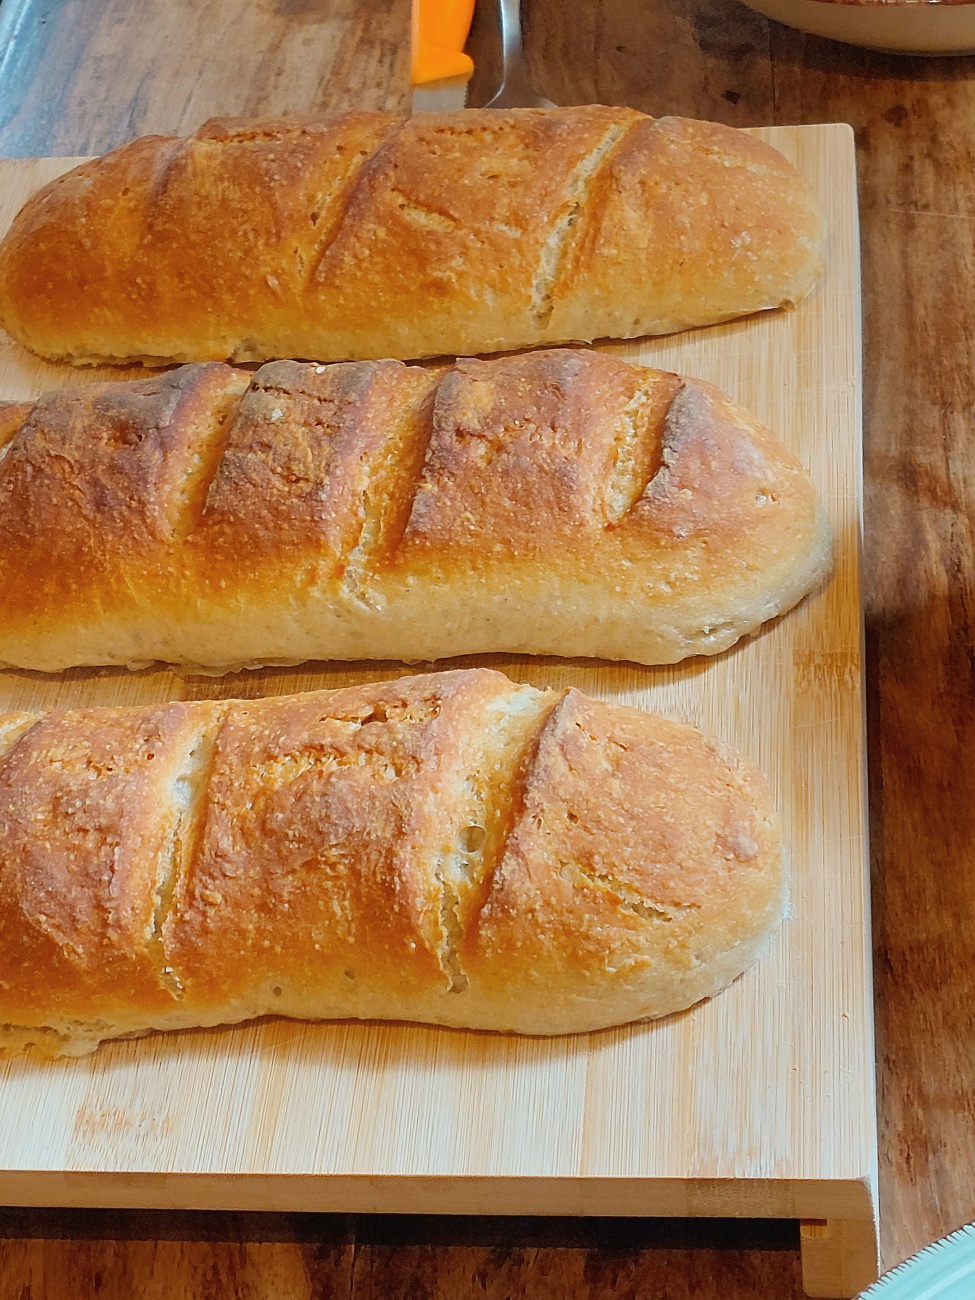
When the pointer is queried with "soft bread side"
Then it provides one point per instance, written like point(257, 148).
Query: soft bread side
point(553, 503)
point(364, 235)
point(449, 848)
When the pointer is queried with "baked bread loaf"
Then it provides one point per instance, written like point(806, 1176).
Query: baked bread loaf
point(364, 235)
point(552, 503)
point(450, 848)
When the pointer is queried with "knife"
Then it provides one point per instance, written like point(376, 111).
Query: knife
point(440, 70)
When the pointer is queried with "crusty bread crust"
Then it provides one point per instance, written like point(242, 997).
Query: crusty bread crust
point(557, 502)
point(448, 848)
point(363, 235)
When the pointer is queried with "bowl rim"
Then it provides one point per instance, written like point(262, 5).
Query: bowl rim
point(896, 4)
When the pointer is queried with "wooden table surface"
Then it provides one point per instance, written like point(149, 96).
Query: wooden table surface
point(79, 76)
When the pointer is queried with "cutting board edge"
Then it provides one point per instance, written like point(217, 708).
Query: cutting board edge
point(443, 1194)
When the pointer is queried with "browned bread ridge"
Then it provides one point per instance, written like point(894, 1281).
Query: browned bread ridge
point(552, 503)
point(449, 848)
point(363, 235)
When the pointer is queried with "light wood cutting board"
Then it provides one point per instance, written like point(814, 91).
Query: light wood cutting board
point(760, 1102)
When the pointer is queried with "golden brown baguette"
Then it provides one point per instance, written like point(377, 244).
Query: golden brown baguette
point(364, 235)
point(553, 503)
point(449, 848)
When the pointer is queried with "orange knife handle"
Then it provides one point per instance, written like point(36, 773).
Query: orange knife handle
point(440, 29)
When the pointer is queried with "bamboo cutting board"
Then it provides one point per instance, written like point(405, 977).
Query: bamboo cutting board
point(760, 1102)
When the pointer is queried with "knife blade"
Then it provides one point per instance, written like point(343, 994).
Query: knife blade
point(445, 95)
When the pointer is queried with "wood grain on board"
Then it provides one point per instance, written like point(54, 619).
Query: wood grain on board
point(78, 78)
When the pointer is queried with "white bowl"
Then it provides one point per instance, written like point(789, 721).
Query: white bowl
point(898, 26)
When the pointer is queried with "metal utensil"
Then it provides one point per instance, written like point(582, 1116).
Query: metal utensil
point(516, 88)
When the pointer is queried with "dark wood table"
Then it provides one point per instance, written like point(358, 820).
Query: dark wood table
point(79, 76)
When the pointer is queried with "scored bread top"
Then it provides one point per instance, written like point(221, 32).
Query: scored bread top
point(450, 848)
point(556, 502)
point(390, 794)
point(362, 235)
point(88, 802)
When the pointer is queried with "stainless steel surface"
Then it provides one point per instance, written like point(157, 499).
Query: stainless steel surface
point(516, 88)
